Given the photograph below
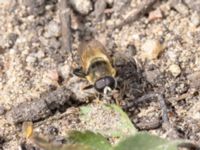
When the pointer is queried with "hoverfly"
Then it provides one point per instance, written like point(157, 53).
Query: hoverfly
point(96, 66)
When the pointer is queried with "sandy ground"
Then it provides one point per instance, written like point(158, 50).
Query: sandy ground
point(32, 63)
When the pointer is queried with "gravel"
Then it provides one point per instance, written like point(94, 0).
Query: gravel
point(175, 70)
point(195, 19)
point(152, 49)
point(82, 6)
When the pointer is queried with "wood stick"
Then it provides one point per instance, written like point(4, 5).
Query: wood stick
point(65, 19)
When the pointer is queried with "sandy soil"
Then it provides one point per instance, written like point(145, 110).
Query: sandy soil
point(33, 63)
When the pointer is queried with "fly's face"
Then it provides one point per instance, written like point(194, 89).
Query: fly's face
point(96, 65)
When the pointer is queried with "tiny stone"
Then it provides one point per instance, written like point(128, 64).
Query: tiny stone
point(52, 30)
point(53, 75)
point(110, 23)
point(156, 14)
point(175, 70)
point(195, 19)
point(152, 75)
point(11, 38)
point(131, 50)
point(54, 43)
point(171, 55)
point(152, 49)
point(64, 71)
point(181, 88)
point(30, 59)
point(40, 54)
point(44, 41)
point(82, 6)
point(13, 51)
point(109, 2)
point(75, 22)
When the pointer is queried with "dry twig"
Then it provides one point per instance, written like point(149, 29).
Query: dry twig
point(142, 9)
point(43, 107)
point(65, 19)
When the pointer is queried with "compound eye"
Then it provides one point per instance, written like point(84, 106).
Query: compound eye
point(104, 82)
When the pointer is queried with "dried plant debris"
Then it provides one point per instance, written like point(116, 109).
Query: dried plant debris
point(65, 18)
point(42, 107)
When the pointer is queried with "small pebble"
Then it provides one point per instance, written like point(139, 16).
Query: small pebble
point(64, 71)
point(195, 19)
point(54, 43)
point(75, 22)
point(171, 55)
point(181, 88)
point(52, 30)
point(40, 54)
point(109, 2)
point(130, 50)
point(44, 41)
point(156, 14)
point(152, 75)
point(31, 59)
point(152, 49)
point(82, 6)
point(11, 38)
point(175, 70)
point(53, 75)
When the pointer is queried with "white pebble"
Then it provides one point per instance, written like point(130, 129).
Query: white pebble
point(52, 30)
point(195, 19)
point(31, 59)
point(82, 6)
point(175, 70)
point(152, 49)
point(64, 71)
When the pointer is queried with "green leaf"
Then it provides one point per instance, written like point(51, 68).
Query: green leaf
point(46, 145)
point(125, 123)
point(145, 141)
point(94, 140)
point(121, 127)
